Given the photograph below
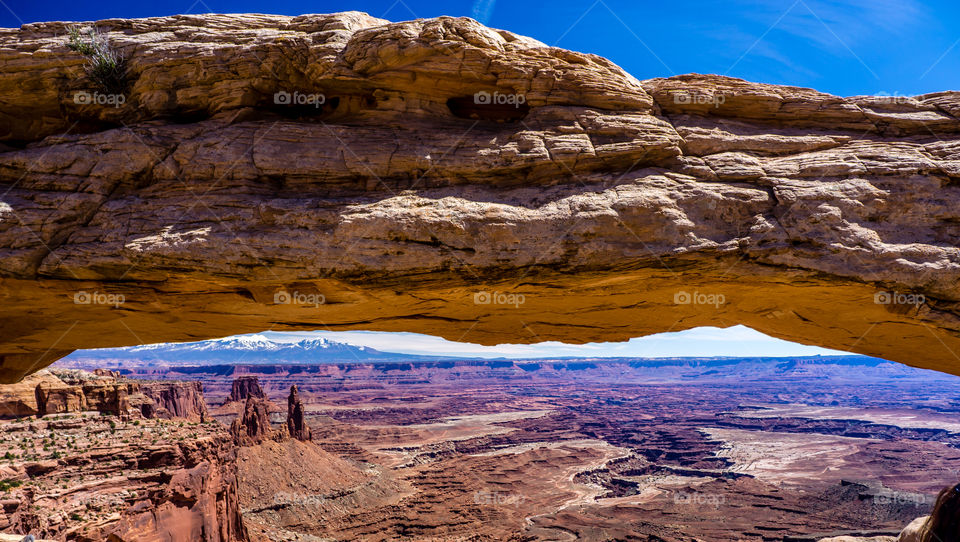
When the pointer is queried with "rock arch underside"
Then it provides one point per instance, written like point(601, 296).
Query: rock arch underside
point(191, 209)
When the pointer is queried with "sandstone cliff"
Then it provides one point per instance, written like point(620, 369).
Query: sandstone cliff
point(108, 479)
point(253, 425)
point(172, 399)
point(20, 399)
point(245, 386)
point(63, 391)
point(344, 172)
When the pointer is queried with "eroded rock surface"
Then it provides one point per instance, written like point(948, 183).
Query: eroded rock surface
point(253, 426)
point(297, 426)
point(174, 400)
point(245, 386)
point(20, 399)
point(99, 476)
point(223, 197)
point(63, 391)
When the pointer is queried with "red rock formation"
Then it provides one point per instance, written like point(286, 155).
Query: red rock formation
point(53, 398)
point(246, 386)
point(296, 425)
point(199, 503)
point(254, 426)
point(19, 400)
point(63, 391)
point(114, 485)
point(173, 399)
point(110, 398)
point(105, 394)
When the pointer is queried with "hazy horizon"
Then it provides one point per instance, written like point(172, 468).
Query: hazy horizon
point(735, 341)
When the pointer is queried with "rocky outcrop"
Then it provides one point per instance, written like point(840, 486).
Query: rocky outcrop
point(246, 386)
point(110, 398)
point(20, 399)
point(106, 481)
point(58, 398)
point(253, 427)
point(68, 390)
point(173, 399)
point(200, 502)
point(296, 424)
point(460, 181)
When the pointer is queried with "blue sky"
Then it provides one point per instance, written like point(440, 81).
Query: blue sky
point(845, 47)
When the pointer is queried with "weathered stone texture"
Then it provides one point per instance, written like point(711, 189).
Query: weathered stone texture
point(201, 208)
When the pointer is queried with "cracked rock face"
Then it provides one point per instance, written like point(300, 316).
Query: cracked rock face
point(437, 176)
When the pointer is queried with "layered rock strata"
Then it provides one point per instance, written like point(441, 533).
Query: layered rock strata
point(253, 426)
point(174, 400)
point(245, 386)
point(63, 391)
point(98, 476)
point(438, 176)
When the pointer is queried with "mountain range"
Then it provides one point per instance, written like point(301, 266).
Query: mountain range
point(244, 349)
point(258, 349)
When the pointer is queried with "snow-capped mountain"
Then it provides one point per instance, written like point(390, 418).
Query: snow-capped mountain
point(243, 349)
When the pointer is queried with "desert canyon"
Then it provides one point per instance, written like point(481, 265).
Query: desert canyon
point(670, 450)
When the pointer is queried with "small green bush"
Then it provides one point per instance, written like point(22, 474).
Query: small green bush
point(8, 484)
point(106, 66)
point(78, 42)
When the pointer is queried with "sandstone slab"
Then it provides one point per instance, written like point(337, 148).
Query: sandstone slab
point(214, 202)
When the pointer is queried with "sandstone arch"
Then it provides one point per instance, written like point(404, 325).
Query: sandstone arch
point(194, 211)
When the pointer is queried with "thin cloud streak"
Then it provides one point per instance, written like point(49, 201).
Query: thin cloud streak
point(482, 10)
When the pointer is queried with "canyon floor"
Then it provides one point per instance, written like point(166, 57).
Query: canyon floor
point(594, 450)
